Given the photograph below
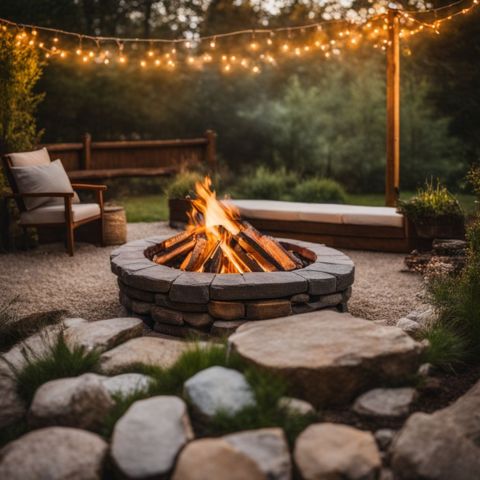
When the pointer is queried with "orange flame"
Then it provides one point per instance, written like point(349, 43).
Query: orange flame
point(219, 223)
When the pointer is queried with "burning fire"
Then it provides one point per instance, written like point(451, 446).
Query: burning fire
point(217, 240)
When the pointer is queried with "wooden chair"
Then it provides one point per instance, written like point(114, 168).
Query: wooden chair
point(70, 214)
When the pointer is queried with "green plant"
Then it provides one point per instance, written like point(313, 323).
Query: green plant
point(183, 185)
point(319, 190)
point(14, 329)
point(19, 72)
point(266, 184)
point(59, 361)
point(446, 348)
point(457, 301)
point(432, 201)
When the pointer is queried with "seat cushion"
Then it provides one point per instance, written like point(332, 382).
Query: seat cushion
point(319, 212)
point(30, 159)
point(56, 213)
point(42, 178)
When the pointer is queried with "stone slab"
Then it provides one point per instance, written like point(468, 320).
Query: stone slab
point(319, 283)
point(226, 310)
point(261, 310)
point(191, 287)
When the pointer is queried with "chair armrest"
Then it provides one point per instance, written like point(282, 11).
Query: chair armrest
point(41, 194)
point(85, 186)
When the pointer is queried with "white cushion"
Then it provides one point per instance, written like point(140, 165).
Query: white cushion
point(319, 212)
point(42, 178)
point(56, 213)
point(30, 159)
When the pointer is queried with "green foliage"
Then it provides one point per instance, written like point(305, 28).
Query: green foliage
point(446, 348)
point(60, 361)
point(183, 185)
point(150, 208)
point(14, 329)
point(432, 201)
point(457, 301)
point(473, 178)
point(268, 389)
point(19, 72)
point(12, 432)
point(319, 190)
point(265, 184)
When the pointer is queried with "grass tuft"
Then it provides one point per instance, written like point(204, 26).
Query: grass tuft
point(60, 361)
point(446, 347)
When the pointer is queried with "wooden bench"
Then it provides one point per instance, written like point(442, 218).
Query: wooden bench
point(339, 226)
point(90, 160)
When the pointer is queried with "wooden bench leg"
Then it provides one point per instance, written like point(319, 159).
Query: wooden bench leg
point(70, 240)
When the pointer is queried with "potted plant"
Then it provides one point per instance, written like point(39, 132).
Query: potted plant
point(178, 193)
point(435, 212)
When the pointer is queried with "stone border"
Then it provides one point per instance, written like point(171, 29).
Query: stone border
point(185, 300)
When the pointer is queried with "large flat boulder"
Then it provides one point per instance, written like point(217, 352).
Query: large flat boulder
point(162, 352)
point(81, 402)
point(148, 438)
point(104, 334)
point(55, 453)
point(328, 357)
point(443, 445)
point(335, 451)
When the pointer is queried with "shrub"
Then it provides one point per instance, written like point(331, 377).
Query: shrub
point(319, 190)
point(457, 301)
point(14, 329)
point(266, 184)
point(434, 200)
point(183, 185)
point(60, 361)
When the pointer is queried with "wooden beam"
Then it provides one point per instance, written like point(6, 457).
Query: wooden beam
point(392, 172)
point(87, 151)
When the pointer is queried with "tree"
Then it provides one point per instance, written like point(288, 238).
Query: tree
point(19, 72)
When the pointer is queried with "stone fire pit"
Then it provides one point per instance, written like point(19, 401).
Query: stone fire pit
point(184, 303)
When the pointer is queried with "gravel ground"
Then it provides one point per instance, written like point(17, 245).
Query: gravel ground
point(46, 279)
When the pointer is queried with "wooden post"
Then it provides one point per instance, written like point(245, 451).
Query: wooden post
point(211, 137)
point(87, 151)
point(392, 171)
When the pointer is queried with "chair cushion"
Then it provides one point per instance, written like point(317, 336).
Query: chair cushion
point(319, 212)
point(42, 178)
point(56, 213)
point(30, 159)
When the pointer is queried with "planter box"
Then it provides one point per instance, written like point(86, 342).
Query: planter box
point(440, 227)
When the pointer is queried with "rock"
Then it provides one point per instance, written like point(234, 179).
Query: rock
point(260, 310)
point(198, 320)
point(385, 402)
point(127, 383)
point(80, 402)
point(334, 451)
point(296, 406)
point(218, 389)
point(423, 318)
point(226, 310)
point(386, 474)
point(384, 437)
point(326, 356)
point(442, 445)
point(167, 315)
point(104, 334)
point(136, 294)
point(141, 308)
point(161, 352)
point(300, 298)
point(268, 448)
point(191, 287)
point(55, 453)
point(215, 459)
point(426, 369)
point(408, 326)
point(449, 247)
point(148, 438)
point(163, 300)
point(182, 331)
point(224, 328)
point(12, 407)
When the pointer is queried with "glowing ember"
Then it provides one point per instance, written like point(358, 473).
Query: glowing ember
point(217, 240)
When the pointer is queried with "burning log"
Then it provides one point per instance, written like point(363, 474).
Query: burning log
point(218, 241)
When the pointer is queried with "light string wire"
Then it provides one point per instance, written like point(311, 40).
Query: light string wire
point(200, 50)
point(250, 31)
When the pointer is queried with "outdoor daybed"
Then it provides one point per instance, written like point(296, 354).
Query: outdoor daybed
point(342, 226)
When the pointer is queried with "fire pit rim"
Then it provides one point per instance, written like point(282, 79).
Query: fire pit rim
point(332, 271)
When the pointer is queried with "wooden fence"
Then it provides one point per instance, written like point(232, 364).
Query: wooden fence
point(102, 160)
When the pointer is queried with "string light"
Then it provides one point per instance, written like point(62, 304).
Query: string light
point(326, 38)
